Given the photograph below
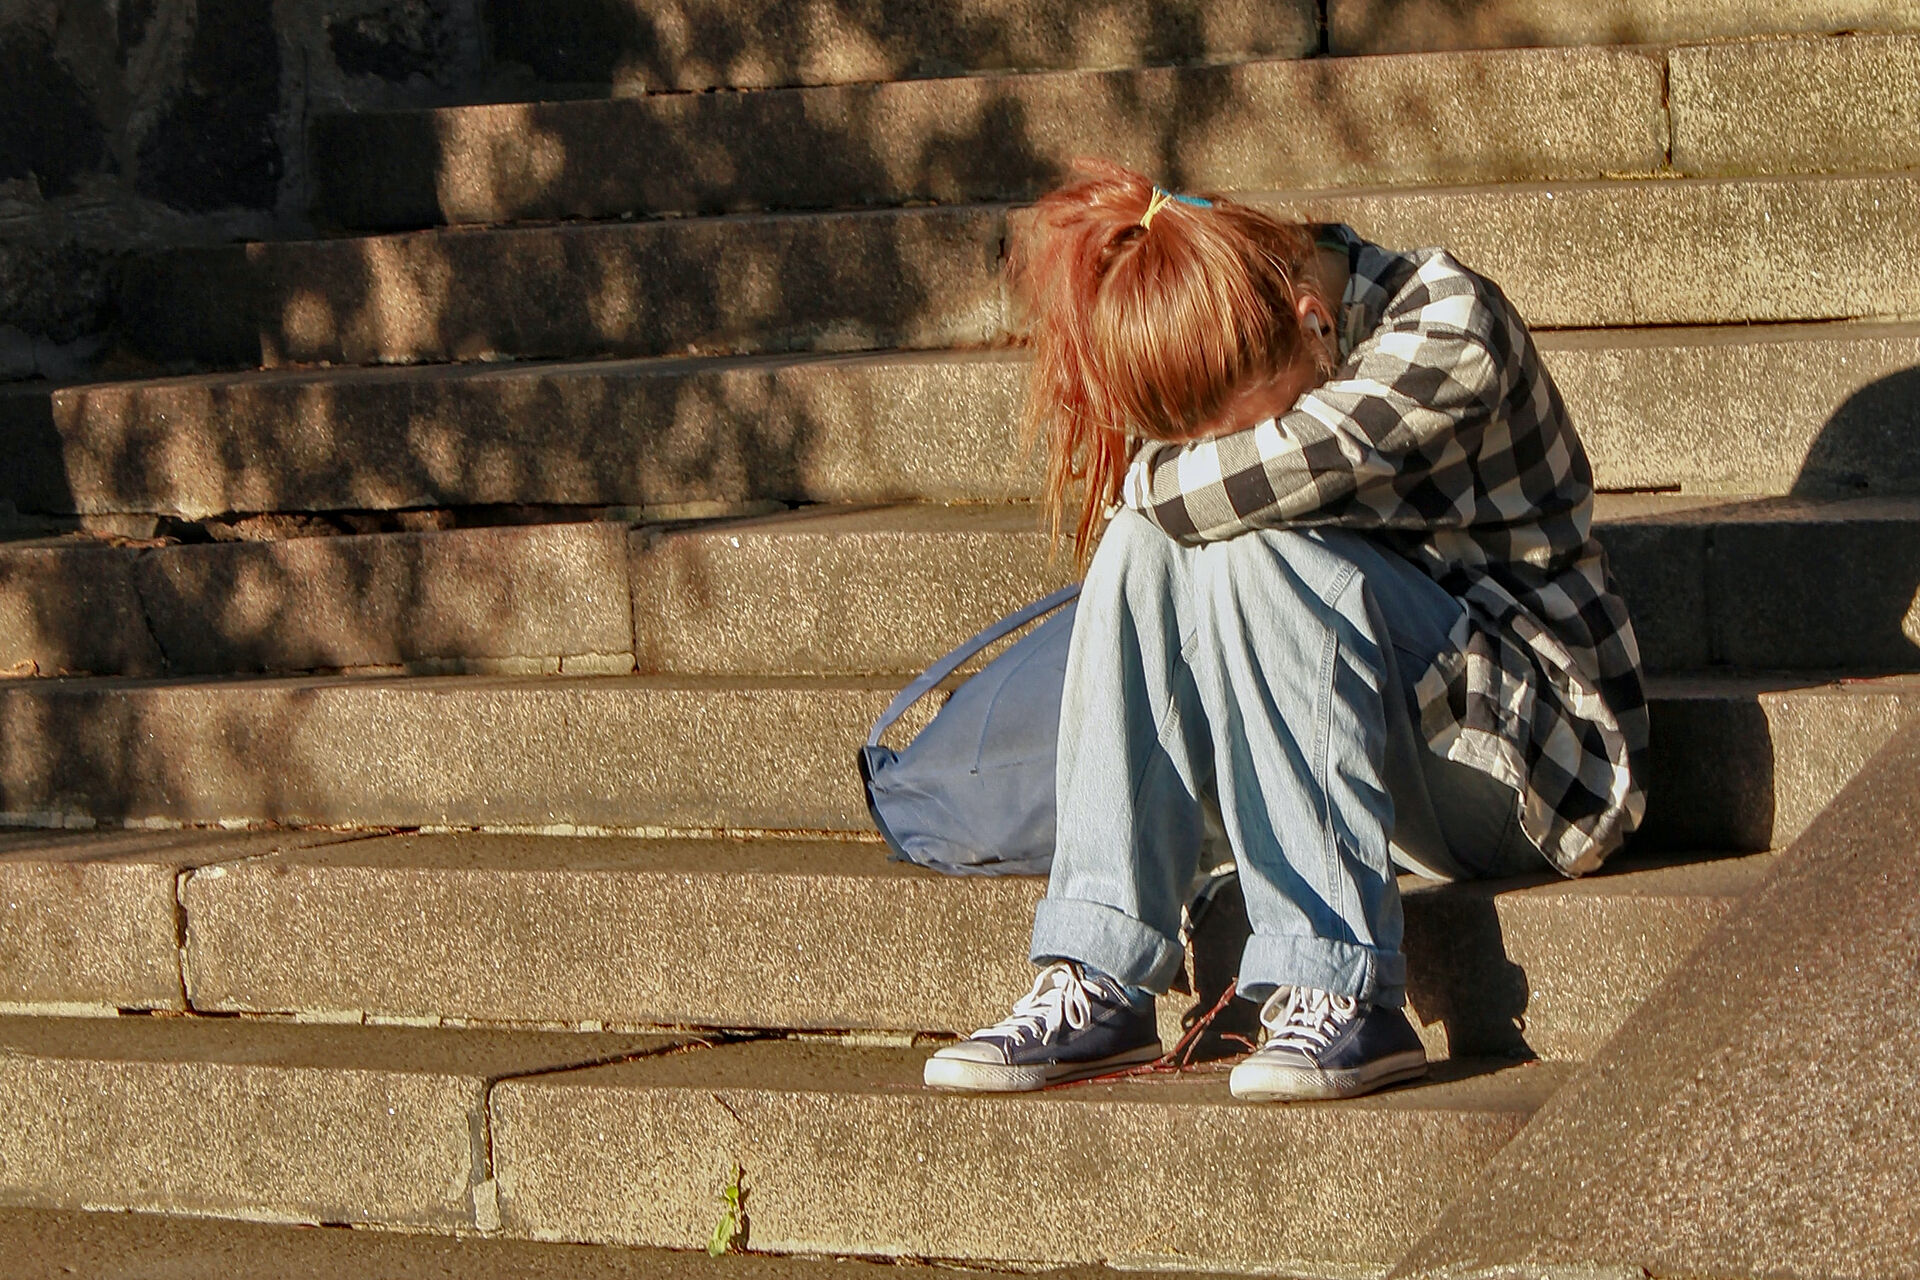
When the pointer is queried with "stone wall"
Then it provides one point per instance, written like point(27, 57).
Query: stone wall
point(131, 123)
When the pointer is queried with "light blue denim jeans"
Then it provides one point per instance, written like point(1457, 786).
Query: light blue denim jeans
point(1271, 673)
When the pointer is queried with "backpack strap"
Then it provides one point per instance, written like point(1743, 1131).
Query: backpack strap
point(940, 670)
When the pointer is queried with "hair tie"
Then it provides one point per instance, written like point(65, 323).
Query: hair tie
point(1161, 198)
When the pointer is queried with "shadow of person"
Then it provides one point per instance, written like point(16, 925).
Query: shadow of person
point(1870, 445)
point(1462, 984)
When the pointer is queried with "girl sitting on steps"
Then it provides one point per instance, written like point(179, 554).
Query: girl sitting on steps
point(1346, 589)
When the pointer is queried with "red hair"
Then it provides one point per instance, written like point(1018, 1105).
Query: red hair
point(1145, 330)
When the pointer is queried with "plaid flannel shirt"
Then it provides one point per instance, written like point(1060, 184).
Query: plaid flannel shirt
point(1442, 433)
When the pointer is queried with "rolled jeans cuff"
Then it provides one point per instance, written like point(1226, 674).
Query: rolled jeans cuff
point(1106, 938)
point(1368, 974)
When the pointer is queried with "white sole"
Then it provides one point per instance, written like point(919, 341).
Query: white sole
point(961, 1076)
point(1255, 1081)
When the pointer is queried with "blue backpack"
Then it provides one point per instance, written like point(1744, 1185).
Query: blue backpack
point(973, 794)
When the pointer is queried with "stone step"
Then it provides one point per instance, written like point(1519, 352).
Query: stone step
point(1716, 110)
point(1399, 26)
point(234, 1118)
point(1798, 106)
point(846, 1153)
point(1710, 582)
point(53, 1244)
point(513, 599)
point(651, 45)
point(1737, 762)
point(1511, 116)
point(838, 1150)
point(1570, 255)
point(788, 935)
point(93, 921)
point(833, 590)
point(779, 934)
point(1754, 410)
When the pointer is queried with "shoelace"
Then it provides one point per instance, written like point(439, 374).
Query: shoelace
point(1060, 995)
point(1305, 1018)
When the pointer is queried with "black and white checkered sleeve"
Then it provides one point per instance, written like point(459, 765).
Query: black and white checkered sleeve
point(1375, 447)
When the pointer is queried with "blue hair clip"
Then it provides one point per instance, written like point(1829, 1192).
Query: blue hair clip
point(1195, 201)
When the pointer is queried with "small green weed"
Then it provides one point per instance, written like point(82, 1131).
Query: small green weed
point(730, 1233)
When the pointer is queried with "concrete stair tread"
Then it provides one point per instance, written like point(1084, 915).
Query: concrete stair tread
point(705, 44)
point(482, 1054)
point(1731, 409)
point(835, 936)
point(775, 933)
point(1393, 26)
point(826, 1065)
point(51, 1244)
point(1742, 685)
point(845, 1151)
point(1576, 254)
point(275, 1121)
point(1537, 113)
point(1741, 762)
point(1541, 112)
point(330, 1124)
point(1710, 580)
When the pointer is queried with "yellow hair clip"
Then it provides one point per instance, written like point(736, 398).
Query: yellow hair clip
point(1161, 198)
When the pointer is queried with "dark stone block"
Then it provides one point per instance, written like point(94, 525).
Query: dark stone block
point(404, 39)
point(48, 129)
point(53, 285)
point(133, 19)
point(697, 44)
point(216, 147)
point(1660, 570)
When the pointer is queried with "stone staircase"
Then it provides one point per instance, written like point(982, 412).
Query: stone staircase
point(441, 646)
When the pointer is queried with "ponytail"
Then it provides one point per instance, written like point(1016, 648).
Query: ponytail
point(1146, 312)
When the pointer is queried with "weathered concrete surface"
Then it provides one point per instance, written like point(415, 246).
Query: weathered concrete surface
point(1508, 116)
point(91, 921)
point(649, 45)
point(533, 597)
point(1756, 1115)
point(887, 589)
point(1747, 762)
point(1551, 967)
point(540, 598)
point(72, 609)
point(135, 126)
point(1797, 106)
point(52, 1244)
point(718, 933)
point(1794, 409)
point(785, 935)
point(442, 750)
point(1662, 252)
point(630, 433)
point(1397, 26)
point(844, 1152)
point(1575, 254)
point(1776, 581)
point(1737, 763)
point(1708, 582)
point(1767, 584)
point(1818, 409)
point(299, 1123)
point(826, 282)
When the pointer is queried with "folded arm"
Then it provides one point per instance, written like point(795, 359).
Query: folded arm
point(1386, 443)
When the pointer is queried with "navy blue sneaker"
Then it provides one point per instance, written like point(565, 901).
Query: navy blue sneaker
point(1320, 1045)
point(1072, 1025)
